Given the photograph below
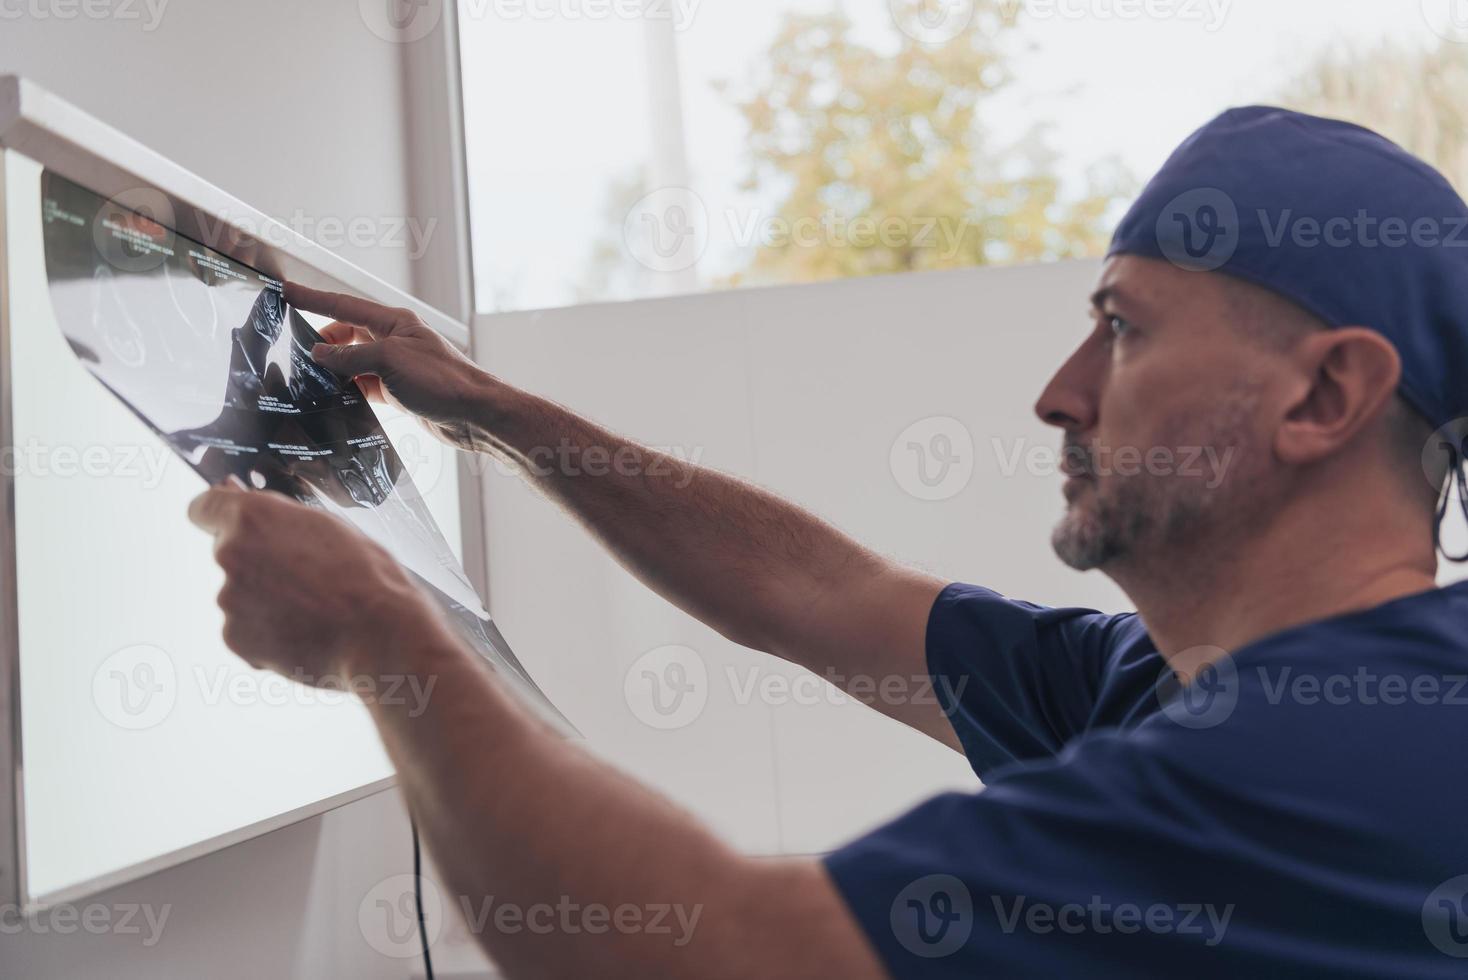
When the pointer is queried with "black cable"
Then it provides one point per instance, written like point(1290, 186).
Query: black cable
point(418, 898)
point(1457, 481)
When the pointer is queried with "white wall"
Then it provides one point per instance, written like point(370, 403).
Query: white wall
point(804, 390)
point(298, 109)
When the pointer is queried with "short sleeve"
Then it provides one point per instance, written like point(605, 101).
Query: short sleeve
point(1289, 820)
point(1018, 681)
point(1090, 865)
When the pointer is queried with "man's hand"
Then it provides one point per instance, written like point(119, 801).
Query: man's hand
point(399, 360)
point(306, 594)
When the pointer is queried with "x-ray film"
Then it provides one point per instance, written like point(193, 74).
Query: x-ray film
point(207, 353)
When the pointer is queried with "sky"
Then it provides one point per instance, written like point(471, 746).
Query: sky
point(557, 104)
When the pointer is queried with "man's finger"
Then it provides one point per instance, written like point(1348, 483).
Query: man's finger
point(341, 332)
point(380, 320)
point(349, 359)
point(212, 509)
point(371, 387)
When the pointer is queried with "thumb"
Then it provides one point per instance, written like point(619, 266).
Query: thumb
point(211, 509)
point(349, 359)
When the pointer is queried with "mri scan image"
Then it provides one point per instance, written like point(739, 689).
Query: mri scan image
point(207, 353)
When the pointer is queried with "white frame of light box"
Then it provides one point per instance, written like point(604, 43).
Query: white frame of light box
point(69, 142)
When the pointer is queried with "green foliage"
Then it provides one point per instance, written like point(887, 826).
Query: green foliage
point(1412, 96)
point(853, 138)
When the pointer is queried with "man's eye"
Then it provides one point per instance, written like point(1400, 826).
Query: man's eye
point(1118, 326)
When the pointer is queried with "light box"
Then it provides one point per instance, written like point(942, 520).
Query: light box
point(131, 739)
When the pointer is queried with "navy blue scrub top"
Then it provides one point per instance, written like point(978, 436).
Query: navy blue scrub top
point(1300, 810)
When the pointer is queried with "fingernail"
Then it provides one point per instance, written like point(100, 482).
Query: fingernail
point(234, 480)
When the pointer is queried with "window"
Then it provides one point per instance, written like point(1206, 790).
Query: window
point(629, 148)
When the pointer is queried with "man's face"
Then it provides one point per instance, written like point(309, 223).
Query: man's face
point(1165, 408)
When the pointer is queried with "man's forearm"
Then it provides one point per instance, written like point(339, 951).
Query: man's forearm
point(762, 571)
point(564, 868)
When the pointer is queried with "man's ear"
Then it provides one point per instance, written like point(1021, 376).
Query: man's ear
point(1348, 375)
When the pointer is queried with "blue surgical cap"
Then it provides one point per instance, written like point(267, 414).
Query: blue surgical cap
point(1332, 216)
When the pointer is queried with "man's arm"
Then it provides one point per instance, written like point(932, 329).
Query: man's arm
point(763, 572)
point(512, 813)
point(603, 878)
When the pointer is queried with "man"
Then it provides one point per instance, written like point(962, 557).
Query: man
point(1255, 775)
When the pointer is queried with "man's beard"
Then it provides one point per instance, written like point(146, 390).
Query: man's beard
point(1117, 519)
point(1114, 518)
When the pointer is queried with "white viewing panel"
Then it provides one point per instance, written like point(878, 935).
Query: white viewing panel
point(130, 738)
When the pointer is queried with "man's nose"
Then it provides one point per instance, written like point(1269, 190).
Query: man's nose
point(1069, 400)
